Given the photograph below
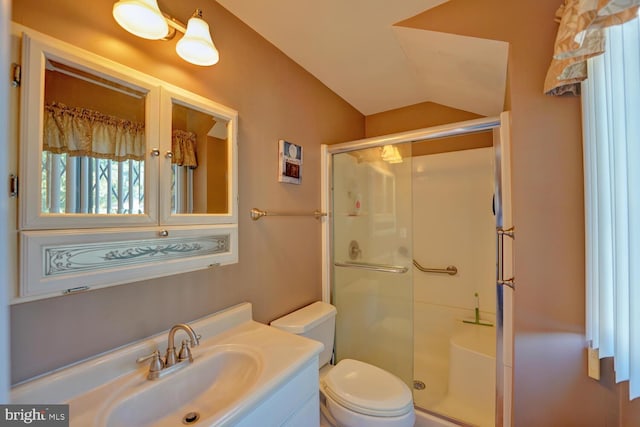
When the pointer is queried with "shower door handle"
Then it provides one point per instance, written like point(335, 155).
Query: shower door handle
point(500, 235)
point(508, 282)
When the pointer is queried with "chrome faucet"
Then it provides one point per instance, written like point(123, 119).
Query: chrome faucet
point(158, 367)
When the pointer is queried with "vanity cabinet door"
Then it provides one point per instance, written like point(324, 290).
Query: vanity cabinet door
point(88, 128)
point(63, 262)
point(198, 168)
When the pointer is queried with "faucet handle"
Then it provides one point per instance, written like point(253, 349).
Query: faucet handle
point(156, 353)
point(156, 363)
point(185, 352)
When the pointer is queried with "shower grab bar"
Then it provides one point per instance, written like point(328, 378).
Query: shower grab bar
point(256, 214)
point(375, 267)
point(450, 270)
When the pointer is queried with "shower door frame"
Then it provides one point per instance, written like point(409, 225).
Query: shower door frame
point(500, 125)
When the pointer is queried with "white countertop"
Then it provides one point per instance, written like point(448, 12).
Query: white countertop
point(90, 386)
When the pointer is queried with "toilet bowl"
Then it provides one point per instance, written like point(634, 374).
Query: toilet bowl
point(354, 393)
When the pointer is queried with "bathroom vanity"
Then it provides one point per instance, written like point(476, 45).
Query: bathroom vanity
point(243, 373)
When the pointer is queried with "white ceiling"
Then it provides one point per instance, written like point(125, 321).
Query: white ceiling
point(353, 47)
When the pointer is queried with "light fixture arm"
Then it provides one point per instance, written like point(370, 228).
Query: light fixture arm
point(174, 25)
point(177, 25)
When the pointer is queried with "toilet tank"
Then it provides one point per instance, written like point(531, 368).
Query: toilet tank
point(316, 321)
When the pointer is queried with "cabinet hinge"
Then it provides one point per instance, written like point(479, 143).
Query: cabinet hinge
point(16, 75)
point(13, 185)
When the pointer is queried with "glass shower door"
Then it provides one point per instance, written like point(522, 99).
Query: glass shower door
point(372, 253)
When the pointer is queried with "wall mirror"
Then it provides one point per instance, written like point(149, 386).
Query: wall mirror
point(198, 169)
point(124, 177)
point(93, 146)
point(86, 138)
point(116, 146)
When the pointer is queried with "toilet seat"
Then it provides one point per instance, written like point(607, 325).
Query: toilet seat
point(367, 389)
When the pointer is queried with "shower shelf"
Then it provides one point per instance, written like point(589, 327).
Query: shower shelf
point(375, 267)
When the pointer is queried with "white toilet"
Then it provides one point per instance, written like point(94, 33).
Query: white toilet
point(354, 393)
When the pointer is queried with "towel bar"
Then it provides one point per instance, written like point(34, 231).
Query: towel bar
point(256, 214)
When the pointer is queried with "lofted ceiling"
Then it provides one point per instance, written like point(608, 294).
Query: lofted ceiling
point(354, 48)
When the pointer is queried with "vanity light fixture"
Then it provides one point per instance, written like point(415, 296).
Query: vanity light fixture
point(196, 46)
point(141, 18)
point(144, 18)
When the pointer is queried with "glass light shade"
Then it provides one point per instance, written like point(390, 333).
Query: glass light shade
point(196, 46)
point(142, 18)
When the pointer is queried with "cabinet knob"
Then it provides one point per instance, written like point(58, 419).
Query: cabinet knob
point(168, 155)
point(163, 233)
point(155, 152)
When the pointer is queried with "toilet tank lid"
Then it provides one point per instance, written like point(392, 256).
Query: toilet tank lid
point(306, 318)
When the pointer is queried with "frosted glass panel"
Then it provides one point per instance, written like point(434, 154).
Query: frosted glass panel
point(372, 233)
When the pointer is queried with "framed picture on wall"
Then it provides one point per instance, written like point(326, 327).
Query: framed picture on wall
point(289, 162)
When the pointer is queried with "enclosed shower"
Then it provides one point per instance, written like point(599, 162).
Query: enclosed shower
point(411, 265)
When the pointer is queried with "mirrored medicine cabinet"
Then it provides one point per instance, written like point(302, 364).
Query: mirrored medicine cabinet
point(123, 177)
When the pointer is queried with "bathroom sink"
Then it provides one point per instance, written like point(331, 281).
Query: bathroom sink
point(239, 365)
point(196, 395)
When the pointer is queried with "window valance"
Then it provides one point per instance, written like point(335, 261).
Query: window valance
point(183, 146)
point(80, 131)
point(580, 37)
point(83, 132)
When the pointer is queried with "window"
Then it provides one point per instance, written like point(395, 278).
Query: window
point(611, 129)
point(86, 184)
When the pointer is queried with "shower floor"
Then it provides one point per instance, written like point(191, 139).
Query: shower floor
point(434, 373)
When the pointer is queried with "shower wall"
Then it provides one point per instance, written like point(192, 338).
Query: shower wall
point(453, 224)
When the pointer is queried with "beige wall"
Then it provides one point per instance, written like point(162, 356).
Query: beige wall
point(279, 268)
point(278, 271)
point(551, 387)
point(416, 116)
point(425, 115)
point(75, 92)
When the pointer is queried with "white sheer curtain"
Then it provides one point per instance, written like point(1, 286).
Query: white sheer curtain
point(611, 121)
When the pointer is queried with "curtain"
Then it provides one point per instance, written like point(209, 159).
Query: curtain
point(83, 132)
point(580, 37)
point(183, 146)
point(611, 132)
